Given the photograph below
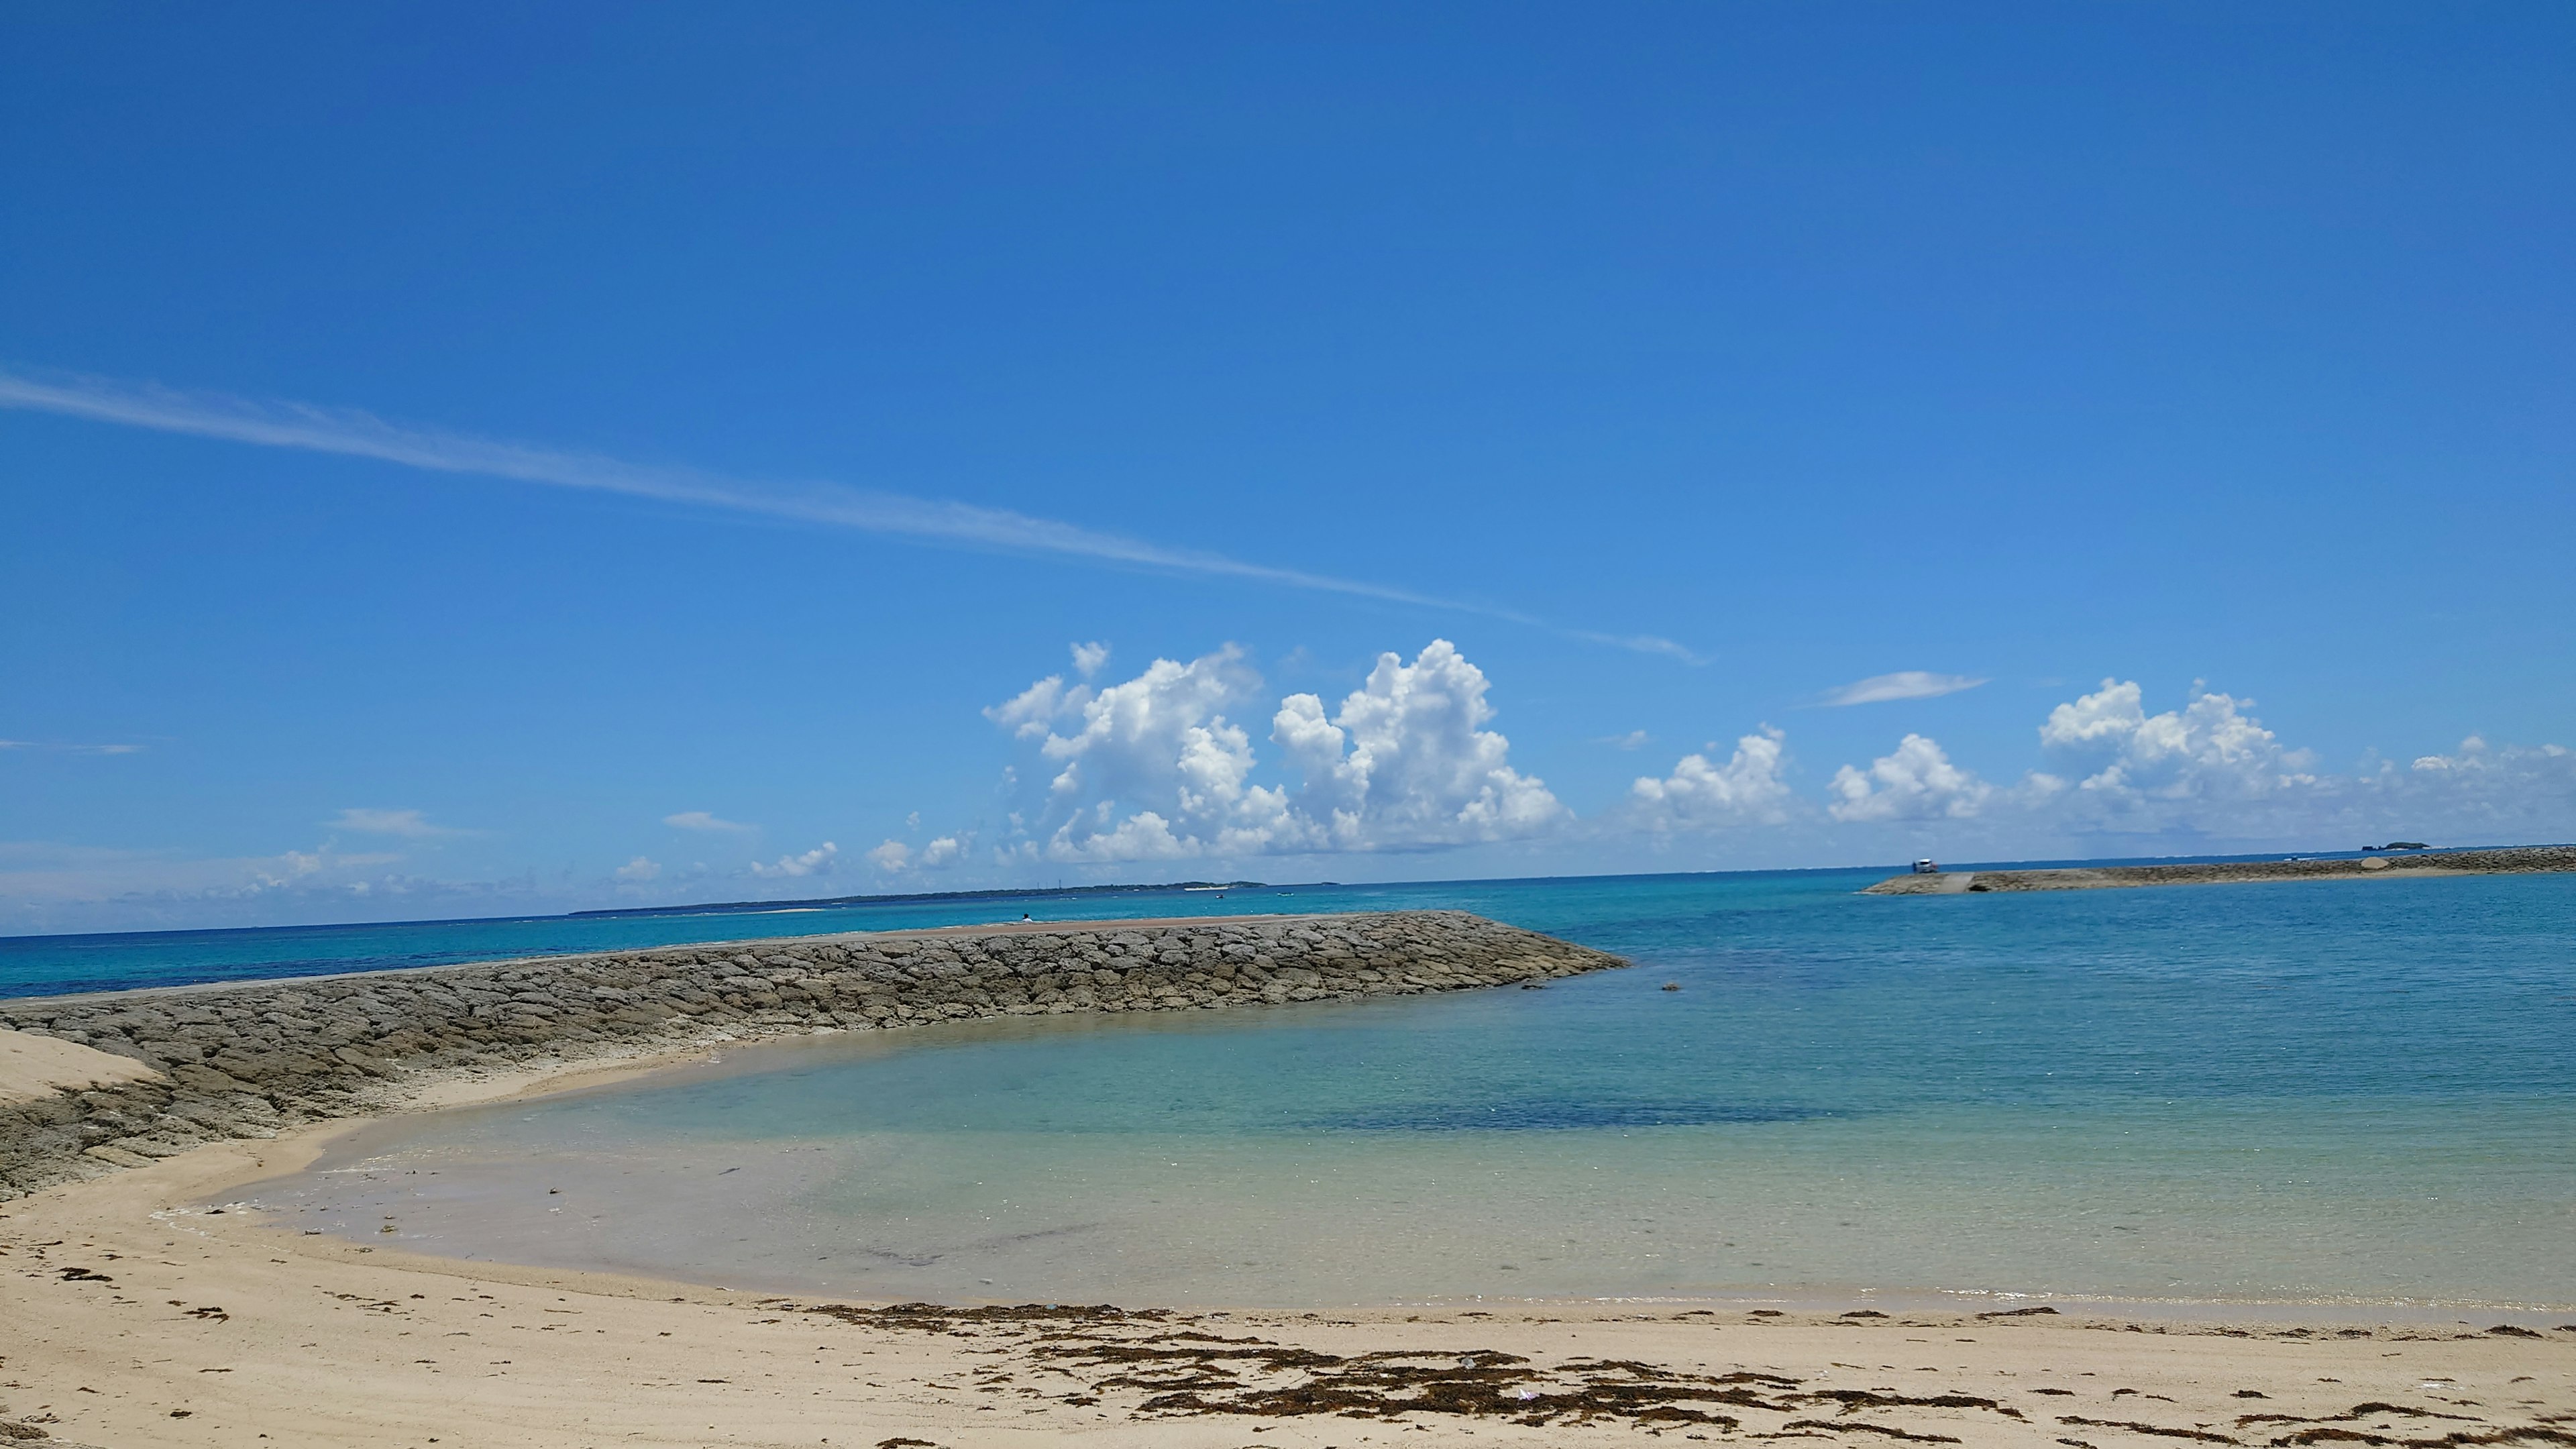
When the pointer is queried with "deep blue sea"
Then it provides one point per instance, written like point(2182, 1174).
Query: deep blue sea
point(2344, 1093)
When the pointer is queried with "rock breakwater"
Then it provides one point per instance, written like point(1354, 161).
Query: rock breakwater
point(2508, 860)
point(250, 1059)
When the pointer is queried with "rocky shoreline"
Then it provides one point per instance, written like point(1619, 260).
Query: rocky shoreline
point(2509, 860)
point(249, 1060)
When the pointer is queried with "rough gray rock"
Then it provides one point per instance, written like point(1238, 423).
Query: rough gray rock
point(2508, 860)
point(247, 1060)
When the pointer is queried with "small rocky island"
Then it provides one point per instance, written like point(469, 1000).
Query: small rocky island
point(2508, 860)
point(138, 1075)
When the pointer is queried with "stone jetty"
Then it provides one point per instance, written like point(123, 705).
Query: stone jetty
point(247, 1060)
point(2506, 860)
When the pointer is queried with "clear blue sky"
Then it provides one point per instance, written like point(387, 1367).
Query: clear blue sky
point(2225, 353)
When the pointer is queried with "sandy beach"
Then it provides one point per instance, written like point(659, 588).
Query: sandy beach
point(132, 1314)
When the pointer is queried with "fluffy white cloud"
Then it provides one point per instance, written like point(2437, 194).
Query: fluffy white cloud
point(2480, 794)
point(1747, 789)
point(639, 869)
point(1087, 658)
point(45, 886)
point(2208, 768)
point(2131, 761)
point(410, 824)
point(1407, 763)
point(2209, 775)
point(1154, 769)
point(817, 861)
point(1914, 782)
point(1027, 714)
point(1904, 684)
point(701, 820)
point(1158, 748)
point(894, 857)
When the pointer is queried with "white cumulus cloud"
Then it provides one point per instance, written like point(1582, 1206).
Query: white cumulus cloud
point(2480, 794)
point(817, 861)
point(1147, 769)
point(640, 869)
point(1156, 768)
point(2212, 748)
point(894, 857)
point(1915, 781)
point(1407, 763)
point(1746, 790)
point(1087, 658)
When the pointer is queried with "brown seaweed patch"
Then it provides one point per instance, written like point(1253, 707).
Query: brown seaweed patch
point(1850, 1426)
point(1854, 1400)
point(2456, 1439)
point(1481, 1383)
point(940, 1317)
point(2158, 1430)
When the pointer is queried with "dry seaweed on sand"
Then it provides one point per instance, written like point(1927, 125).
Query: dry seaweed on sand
point(941, 1318)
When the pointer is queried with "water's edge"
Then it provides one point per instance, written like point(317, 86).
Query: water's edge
point(248, 1060)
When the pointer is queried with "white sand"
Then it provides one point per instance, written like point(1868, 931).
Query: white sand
point(32, 1066)
point(130, 1317)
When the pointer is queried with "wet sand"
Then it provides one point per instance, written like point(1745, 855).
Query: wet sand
point(133, 1315)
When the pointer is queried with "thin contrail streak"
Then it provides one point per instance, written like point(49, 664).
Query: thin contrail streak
point(352, 433)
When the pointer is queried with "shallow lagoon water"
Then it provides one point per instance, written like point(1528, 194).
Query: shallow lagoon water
point(2327, 1092)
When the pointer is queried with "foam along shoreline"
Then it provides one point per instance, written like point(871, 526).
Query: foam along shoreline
point(2512, 860)
point(204, 1063)
point(136, 1316)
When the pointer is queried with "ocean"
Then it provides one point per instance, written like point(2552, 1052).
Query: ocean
point(2334, 1093)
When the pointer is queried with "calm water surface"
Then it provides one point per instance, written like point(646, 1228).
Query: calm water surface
point(2334, 1092)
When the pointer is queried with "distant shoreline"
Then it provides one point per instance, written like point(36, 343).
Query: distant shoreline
point(2509, 860)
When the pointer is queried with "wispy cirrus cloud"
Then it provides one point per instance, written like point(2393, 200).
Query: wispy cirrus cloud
point(349, 432)
point(701, 820)
point(58, 748)
point(1903, 684)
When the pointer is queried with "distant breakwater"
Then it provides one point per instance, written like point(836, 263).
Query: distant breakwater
point(248, 1060)
point(2509, 860)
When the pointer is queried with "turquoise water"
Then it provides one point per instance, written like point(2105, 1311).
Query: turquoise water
point(116, 961)
point(113, 961)
point(2335, 1092)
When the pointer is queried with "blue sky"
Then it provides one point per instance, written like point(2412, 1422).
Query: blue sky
point(447, 445)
